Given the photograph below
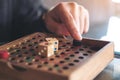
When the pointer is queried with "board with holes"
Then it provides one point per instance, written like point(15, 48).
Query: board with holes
point(83, 62)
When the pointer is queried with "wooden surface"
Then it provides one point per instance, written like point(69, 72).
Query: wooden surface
point(111, 72)
point(71, 62)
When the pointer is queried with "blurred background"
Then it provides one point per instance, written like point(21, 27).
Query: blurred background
point(104, 19)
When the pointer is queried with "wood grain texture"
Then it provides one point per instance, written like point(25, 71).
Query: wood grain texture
point(83, 62)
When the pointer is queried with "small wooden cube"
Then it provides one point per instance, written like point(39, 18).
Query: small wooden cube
point(54, 41)
point(46, 49)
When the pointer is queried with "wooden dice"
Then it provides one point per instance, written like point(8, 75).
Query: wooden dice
point(48, 47)
point(54, 41)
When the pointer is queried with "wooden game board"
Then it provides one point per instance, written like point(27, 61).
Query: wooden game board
point(83, 62)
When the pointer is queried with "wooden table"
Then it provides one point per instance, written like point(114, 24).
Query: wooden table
point(111, 72)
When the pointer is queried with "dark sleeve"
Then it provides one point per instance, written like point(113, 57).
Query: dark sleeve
point(28, 18)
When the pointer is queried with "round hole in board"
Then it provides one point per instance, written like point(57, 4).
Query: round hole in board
point(81, 57)
point(10, 49)
point(35, 42)
point(19, 55)
point(18, 50)
point(12, 59)
point(29, 45)
point(41, 40)
point(50, 69)
point(23, 43)
point(51, 59)
point(68, 50)
point(85, 54)
point(31, 49)
point(62, 62)
point(13, 53)
point(81, 49)
point(71, 64)
point(68, 43)
point(45, 62)
point(28, 41)
point(34, 54)
point(89, 51)
point(27, 58)
point(29, 63)
point(57, 56)
point(36, 60)
point(62, 53)
point(60, 40)
point(39, 66)
point(65, 67)
point(67, 58)
point(59, 48)
point(76, 60)
point(72, 55)
point(64, 45)
point(56, 65)
point(33, 38)
point(42, 57)
point(24, 47)
point(72, 47)
point(26, 52)
point(77, 52)
point(36, 47)
point(21, 61)
point(39, 35)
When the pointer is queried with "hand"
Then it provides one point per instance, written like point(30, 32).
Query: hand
point(68, 18)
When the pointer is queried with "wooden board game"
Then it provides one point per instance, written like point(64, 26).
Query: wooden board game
point(83, 62)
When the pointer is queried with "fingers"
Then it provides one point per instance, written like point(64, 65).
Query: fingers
point(75, 13)
point(70, 23)
point(84, 20)
point(54, 26)
point(68, 18)
point(86, 24)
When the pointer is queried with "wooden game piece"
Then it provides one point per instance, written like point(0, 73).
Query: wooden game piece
point(76, 42)
point(46, 49)
point(4, 54)
point(54, 41)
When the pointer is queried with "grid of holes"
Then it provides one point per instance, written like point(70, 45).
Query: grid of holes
point(25, 53)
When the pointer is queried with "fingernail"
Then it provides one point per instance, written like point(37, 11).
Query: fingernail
point(79, 37)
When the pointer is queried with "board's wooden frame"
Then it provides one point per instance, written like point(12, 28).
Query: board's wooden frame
point(88, 71)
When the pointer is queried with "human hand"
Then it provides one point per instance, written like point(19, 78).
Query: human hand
point(67, 18)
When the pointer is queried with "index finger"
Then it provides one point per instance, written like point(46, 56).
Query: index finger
point(69, 22)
